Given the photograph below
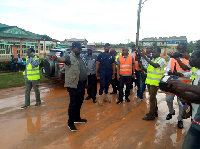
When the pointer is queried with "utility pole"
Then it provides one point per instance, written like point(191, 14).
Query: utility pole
point(138, 21)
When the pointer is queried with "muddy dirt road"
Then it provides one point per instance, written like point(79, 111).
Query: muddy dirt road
point(110, 126)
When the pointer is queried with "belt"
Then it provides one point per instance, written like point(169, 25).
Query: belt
point(198, 123)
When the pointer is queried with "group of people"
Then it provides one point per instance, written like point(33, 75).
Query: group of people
point(146, 68)
point(17, 63)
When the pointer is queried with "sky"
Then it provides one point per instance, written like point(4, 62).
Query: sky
point(113, 21)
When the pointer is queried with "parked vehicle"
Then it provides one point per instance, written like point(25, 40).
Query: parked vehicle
point(55, 70)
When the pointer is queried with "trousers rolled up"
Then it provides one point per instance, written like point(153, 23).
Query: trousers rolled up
point(169, 100)
point(29, 85)
point(104, 83)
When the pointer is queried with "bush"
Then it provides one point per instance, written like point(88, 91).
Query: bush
point(5, 66)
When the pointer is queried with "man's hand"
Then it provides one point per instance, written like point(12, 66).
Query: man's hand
point(133, 76)
point(170, 72)
point(52, 57)
point(113, 76)
point(97, 75)
point(118, 77)
point(179, 74)
point(186, 56)
point(143, 54)
point(178, 85)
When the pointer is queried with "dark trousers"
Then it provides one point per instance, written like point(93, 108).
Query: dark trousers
point(192, 139)
point(19, 66)
point(92, 86)
point(29, 85)
point(76, 100)
point(139, 84)
point(123, 80)
point(104, 83)
point(115, 84)
point(153, 100)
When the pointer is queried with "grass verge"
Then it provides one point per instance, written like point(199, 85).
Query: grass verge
point(15, 79)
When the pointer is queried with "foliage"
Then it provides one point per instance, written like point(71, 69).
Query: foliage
point(15, 79)
point(5, 66)
point(155, 44)
point(191, 46)
point(120, 45)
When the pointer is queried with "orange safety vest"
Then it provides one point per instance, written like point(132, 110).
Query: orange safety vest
point(179, 69)
point(136, 63)
point(125, 65)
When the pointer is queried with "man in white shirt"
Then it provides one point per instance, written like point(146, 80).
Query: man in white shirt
point(173, 68)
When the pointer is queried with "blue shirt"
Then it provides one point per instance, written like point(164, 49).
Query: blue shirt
point(106, 62)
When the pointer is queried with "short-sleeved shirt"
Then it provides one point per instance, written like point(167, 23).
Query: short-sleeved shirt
point(161, 62)
point(106, 62)
point(118, 63)
point(91, 63)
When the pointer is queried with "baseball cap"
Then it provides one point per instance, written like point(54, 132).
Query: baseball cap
point(77, 44)
point(89, 47)
point(107, 45)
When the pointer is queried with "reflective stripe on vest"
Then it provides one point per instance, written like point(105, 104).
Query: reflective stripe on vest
point(179, 69)
point(136, 63)
point(116, 57)
point(154, 75)
point(193, 75)
point(32, 73)
point(125, 65)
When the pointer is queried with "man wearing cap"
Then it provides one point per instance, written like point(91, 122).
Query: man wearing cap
point(105, 69)
point(32, 77)
point(75, 80)
point(91, 73)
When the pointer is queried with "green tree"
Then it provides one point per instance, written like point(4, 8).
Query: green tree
point(191, 46)
point(155, 44)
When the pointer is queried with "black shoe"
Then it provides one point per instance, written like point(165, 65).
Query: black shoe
point(156, 114)
point(169, 116)
point(119, 102)
point(94, 100)
point(149, 118)
point(180, 124)
point(128, 100)
point(81, 121)
point(37, 104)
point(113, 93)
point(24, 107)
point(87, 98)
point(72, 127)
